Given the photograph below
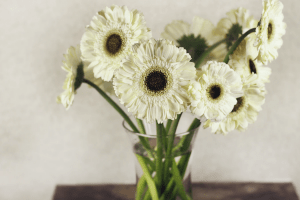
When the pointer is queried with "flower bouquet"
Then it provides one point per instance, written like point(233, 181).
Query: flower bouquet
point(215, 73)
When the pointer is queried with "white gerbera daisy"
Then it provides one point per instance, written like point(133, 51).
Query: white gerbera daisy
point(153, 82)
point(176, 30)
point(244, 61)
point(245, 111)
point(236, 23)
point(109, 38)
point(77, 70)
point(270, 31)
point(195, 38)
point(215, 91)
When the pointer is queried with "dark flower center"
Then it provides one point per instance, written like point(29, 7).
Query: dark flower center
point(270, 29)
point(252, 66)
point(156, 81)
point(113, 44)
point(215, 91)
point(238, 105)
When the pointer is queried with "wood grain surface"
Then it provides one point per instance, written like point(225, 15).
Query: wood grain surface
point(201, 191)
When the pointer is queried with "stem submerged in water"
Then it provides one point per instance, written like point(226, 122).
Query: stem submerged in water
point(171, 136)
point(159, 164)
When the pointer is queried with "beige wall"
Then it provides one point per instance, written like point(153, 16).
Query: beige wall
point(42, 145)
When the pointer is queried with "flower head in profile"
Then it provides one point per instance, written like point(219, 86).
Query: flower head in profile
point(245, 110)
point(109, 38)
point(195, 38)
point(244, 61)
point(235, 24)
point(77, 70)
point(214, 93)
point(270, 31)
point(153, 82)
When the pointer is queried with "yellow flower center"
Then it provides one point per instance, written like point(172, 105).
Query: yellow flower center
point(240, 103)
point(214, 91)
point(252, 66)
point(156, 81)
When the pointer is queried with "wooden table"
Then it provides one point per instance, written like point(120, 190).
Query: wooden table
point(201, 191)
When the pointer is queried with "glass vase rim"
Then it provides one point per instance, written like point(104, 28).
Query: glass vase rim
point(154, 136)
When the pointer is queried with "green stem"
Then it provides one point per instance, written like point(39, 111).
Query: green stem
point(143, 140)
point(148, 177)
point(236, 44)
point(140, 187)
point(141, 125)
point(159, 154)
point(171, 136)
point(207, 52)
point(178, 182)
point(185, 141)
point(168, 125)
point(183, 145)
point(183, 163)
point(113, 104)
point(150, 163)
point(164, 138)
point(148, 196)
point(166, 131)
point(171, 188)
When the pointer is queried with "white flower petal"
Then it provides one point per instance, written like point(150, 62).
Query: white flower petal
point(225, 85)
point(109, 38)
point(155, 58)
point(270, 31)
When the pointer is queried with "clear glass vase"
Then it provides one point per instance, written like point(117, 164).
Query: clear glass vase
point(173, 179)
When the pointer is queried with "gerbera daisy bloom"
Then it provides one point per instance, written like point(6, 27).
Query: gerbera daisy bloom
point(236, 23)
point(109, 38)
point(195, 38)
point(244, 61)
point(270, 31)
point(77, 70)
point(245, 111)
point(214, 93)
point(153, 82)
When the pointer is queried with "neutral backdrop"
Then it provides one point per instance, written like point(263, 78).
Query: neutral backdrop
point(42, 144)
